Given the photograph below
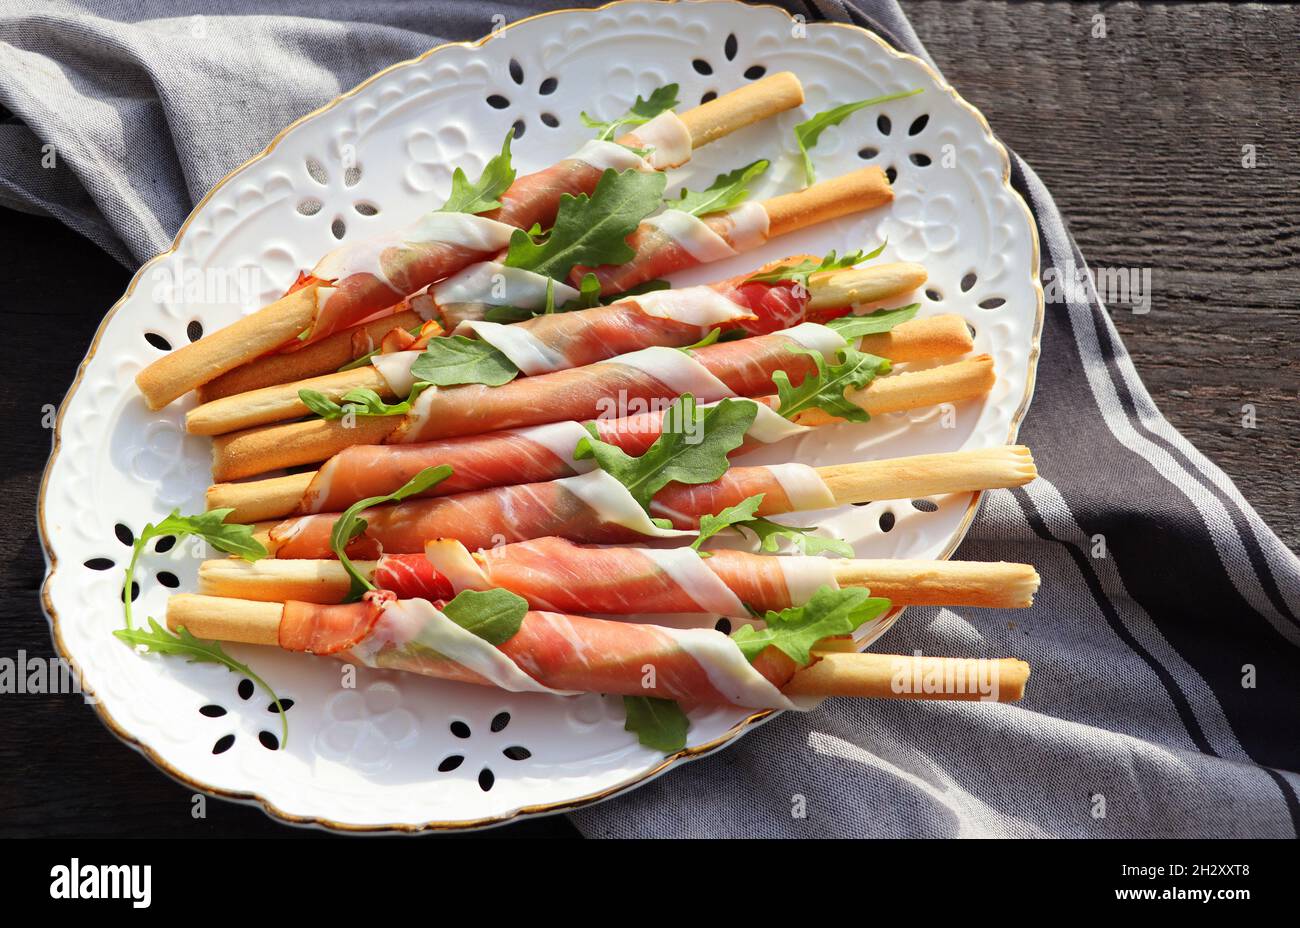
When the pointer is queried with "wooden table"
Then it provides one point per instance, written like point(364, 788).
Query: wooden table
point(1138, 134)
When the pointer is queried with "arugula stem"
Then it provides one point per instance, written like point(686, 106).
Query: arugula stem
point(284, 719)
point(129, 583)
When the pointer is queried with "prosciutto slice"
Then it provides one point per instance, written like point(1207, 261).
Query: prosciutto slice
point(534, 199)
point(410, 577)
point(477, 461)
point(629, 384)
point(527, 455)
point(592, 507)
point(556, 574)
point(361, 279)
point(674, 240)
point(550, 653)
point(674, 318)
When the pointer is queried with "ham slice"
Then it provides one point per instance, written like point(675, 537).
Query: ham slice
point(591, 507)
point(527, 455)
point(671, 318)
point(348, 300)
point(321, 629)
point(626, 385)
point(550, 653)
point(477, 462)
point(534, 199)
point(673, 241)
point(556, 574)
point(411, 577)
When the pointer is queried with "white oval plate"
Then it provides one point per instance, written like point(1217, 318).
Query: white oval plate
point(377, 756)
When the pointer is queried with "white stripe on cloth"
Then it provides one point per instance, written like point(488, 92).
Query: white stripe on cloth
point(1218, 522)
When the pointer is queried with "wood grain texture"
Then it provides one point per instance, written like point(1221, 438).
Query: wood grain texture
point(1138, 135)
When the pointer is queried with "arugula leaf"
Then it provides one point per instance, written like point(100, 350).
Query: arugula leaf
point(361, 401)
point(809, 131)
point(706, 341)
point(498, 174)
point(494, 615)
point(642, 111)
point(350, 524)
point(588, 294)
point(657, 723)
point(507, 314)
point(825, 388)
point(590, 230)
point(770, 534)
point(799, 273)
point(744, 511)
point(795, 631)
point(877, 323)
point(210, 526)
point(744, 517)
point(455, 359)
point(199, 651)
point(692, 447)
point(726, 192)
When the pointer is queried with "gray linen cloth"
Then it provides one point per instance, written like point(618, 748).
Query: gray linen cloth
point(1136, 722)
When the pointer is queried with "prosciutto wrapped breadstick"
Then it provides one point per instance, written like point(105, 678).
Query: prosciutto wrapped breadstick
point(556, 574)
point(595, 507)
point(674, 240)
point(559, 654)
point(646, 379)
point(533, 198)
point(655, 375)
point(561, 341)
point(544, 452)
point(367, 277)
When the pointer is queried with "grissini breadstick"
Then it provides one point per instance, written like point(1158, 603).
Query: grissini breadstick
point(596, 508)
point(962, 380)
point(473, 238)
point(280, 402)
point(912, 677)
point(363, 471)
point(175, 374)
point(742, 107)
point(858, 190)
point(259, 500)
point(744, 367)
point(567, 340)
point(553, 573)
point(322, 357)
point(614, 654)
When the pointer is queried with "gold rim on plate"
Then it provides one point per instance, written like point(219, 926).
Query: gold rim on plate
point(684, 755)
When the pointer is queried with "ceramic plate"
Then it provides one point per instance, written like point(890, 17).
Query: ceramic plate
point(407, 752)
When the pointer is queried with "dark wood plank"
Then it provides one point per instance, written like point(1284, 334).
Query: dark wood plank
point(1139, 136)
